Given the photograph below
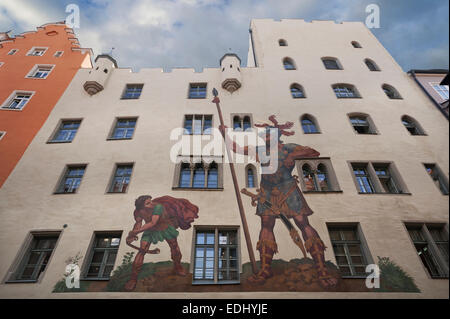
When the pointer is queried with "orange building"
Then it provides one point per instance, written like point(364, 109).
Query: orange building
point(35, 69)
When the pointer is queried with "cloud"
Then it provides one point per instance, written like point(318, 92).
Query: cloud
point(196, 33)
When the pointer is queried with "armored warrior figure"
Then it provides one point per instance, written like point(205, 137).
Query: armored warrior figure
point(280, 190)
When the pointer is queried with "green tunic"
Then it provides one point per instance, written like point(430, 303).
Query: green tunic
point(155, 236)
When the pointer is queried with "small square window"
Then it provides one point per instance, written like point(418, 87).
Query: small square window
point(66, 131)
point(121, 178)
point(1, 64)
point(35, 51)
point(438, 177)
point(2, 135)
point(70, 183)
point(12, 51)
point(132, 91)
point(197, 90)
point(58, 54)
point(17, 100)
point(124, 128)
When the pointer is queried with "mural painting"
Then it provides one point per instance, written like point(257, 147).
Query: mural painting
point(278, 198)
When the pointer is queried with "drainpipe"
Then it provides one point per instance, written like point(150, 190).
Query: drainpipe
point(253, 47)
point(438, 106)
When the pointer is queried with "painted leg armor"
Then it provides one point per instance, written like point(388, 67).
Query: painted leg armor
point(267, 248)
point(316, 248)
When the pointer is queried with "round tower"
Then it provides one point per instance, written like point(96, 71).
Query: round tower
point(231, 72)
point(100, 73)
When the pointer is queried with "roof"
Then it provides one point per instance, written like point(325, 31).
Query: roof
point(429, 71)
point(445, 81)
point(229, 54)
point(107, 56)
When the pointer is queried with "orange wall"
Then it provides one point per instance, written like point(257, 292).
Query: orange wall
point(22, 126)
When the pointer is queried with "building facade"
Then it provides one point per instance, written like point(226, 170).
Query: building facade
point(431, 82)
point(35, 69)
point(369, 148)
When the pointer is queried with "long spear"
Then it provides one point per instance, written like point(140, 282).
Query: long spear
point(236, 189)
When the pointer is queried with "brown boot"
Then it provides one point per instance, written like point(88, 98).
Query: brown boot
point(131, 284)
point(267, 249)
point(316, 248)
point(178, 269)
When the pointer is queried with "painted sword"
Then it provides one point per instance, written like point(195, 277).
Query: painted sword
point(292, 231)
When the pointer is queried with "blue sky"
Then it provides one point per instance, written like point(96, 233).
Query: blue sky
point(196, 33)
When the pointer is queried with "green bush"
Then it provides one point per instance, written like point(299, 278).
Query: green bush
point(393, 278)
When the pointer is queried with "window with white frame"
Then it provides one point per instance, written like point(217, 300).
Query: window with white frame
point(37, 51)
point(17, 100)
point(216, 255)
point(40, 71)
point(13, 51)
point(197, 124)
point(2, 134)
point(58, 54)
point(1, 64)
point(442, 90)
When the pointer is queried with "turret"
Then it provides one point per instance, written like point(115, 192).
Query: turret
point(100, 73)
point(231, 72)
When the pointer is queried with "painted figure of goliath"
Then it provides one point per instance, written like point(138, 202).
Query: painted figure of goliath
point(161, 216)
point(281, 190)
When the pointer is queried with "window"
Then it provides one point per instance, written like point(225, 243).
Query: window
point(17, 101)
point(216, 256)
point(282, 43)
point(331, 64)
point(431, 243)
point(1, 64)
point(371, 65)
point(37, 51)
point(2, 135)
point(12, 51)
point(356, 45)
point(123, 129)
point(348, 250)
point(412, 126)
point(197, 90)
point(297, 91)
point(363, 179)
point(58, 54)
point(197, 124)
point(66, 131)
point(438, 177)
point(121, 178)
point(442, 90)
point(198, 174)
point(71, 180)
point(309, 125)
point(378, 178)
point(391, 92)
point(288, 64)
point(343, 91)
point(317, 175)
point(36, 257)
point(385, 178)
point(362, 124)
point(132, 91)
point(251, 180)
point(40, 71)
point(103, 255)
point(242, 122)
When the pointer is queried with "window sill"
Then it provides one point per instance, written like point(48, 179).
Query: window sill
point(117, 139)
point(196, 189)
point(344, 98)
point(58, 142)
point(321, 192)
point(21, 281)
point(60, 193)
point(361, 193)
point(129, 98)
point(212, 282)
point(196, 98)
point(9, 109)
point(312, 133)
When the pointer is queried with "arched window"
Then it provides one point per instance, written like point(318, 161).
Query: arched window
point(297, 91)
point(185, 175)
point(362, 124)
point(282, 43)
point(237, 126)
point(199, 176)
point(251, 176)
point(371, 65)
point(288, 64)
point(213, 177)
point(309, 124)
point(331, 63)
point(322, 177)
point(343, 91)
point(391, 92)
point(309, 179)
point(247, 123)
point(412, 126)
point(356, 45)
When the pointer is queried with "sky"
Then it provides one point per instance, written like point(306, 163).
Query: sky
point(196, 33)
